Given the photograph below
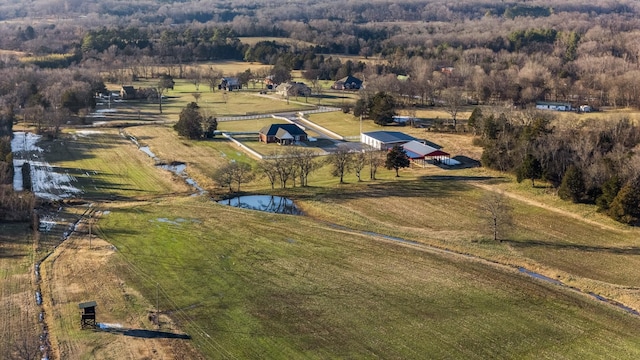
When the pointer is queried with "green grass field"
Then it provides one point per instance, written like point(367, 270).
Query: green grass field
point(253, 285)
point(256, 285)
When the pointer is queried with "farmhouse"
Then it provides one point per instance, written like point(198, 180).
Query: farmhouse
point(556, 106)
point(283, 134)
point(383, 140)
point(419, 153)
point(127, 92)
point(229, 83)
point(347, 83)
point(293, 89)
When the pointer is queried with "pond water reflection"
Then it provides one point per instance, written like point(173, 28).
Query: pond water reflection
point(268, 203)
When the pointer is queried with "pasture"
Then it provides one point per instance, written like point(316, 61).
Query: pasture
point(334, 283)
point(254, 285)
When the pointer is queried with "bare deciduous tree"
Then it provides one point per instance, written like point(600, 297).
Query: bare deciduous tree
point(496, 212)
point(341, 162)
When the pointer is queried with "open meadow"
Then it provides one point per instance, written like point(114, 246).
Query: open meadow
point(390, 268)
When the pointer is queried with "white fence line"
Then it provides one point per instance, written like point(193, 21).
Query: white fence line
point(321, 128)
point(244, 147)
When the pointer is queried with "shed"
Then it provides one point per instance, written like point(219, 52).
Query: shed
point(88, 315)
point(419, 153)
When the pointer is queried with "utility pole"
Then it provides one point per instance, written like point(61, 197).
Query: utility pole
point(90, 225)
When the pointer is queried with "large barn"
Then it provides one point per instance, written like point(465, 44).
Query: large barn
point(384, 140)
point(283, 134)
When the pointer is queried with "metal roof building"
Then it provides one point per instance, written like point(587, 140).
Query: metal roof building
point(383, 140)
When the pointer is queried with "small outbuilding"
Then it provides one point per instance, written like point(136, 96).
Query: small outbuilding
point(283, 134)
point(420, 153)
point(88, 315)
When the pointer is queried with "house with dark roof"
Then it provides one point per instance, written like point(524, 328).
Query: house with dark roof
point(127, 92)
point(283, 134)
point(347, 83)
point(230, 84)
point(383, 140)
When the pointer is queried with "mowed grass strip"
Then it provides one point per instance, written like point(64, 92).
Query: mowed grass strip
point(256, 285)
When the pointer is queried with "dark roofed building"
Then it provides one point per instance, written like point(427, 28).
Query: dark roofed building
point(347, 83)
point(127, 92)
point(283, 134)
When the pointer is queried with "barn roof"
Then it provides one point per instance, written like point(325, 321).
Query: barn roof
point(389, 136)
point(272, 130)
point(418, 148)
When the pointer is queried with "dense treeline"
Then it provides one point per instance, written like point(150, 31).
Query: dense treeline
point(592, 163)
point(507, 52)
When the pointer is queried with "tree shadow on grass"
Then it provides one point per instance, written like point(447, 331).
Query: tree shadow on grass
point(426, 186)
point(586, 248)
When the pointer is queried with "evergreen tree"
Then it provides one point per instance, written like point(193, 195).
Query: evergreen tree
point(396, 159)
point(529, 169)
point(382, 108)
point(475, 120)
point(190, 122)
point(625, 207)
point(610, 189)
point(572, 186)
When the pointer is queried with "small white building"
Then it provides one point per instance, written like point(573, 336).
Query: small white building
point(555, 106)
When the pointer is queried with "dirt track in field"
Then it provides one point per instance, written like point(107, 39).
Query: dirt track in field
point(547, 207)
point(76, 273)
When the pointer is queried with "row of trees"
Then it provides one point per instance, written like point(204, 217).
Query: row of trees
point(294, 165)
point(594, 162)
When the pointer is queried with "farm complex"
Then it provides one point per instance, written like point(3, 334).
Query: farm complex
point(195, 180)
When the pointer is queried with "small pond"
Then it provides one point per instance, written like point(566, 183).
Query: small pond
point(268, 203)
